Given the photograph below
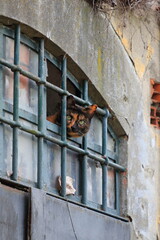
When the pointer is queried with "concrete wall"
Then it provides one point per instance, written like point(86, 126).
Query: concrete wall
point(141, 37)
point(104, 58)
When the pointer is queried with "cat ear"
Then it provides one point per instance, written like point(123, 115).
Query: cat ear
point(91, 110)
point(70, 100)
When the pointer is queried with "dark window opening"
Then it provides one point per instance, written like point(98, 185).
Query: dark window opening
point(53, 97)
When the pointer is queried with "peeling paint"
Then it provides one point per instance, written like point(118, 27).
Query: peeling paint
point(158, 225)
point(158, 220)
point(140, 67)
point(157, 140)
point(150, 51)
point(119, 31)
point(126, 43)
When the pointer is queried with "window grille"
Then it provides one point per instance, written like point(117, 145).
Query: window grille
point(30, 122)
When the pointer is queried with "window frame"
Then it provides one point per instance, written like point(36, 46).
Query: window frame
point(110, 159)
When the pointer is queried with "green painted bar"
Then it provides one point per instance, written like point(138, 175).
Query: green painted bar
point(63, 171)
point(116, 166)
point(96, 158)
point(117, 193)
point(84, 173)
point(16, 103)
point(2, 163)
point(84, 161)
point(63, 127)
point(41, 116)
point(65, 144)
point(104, 167)
point(41, 87)
point(117, 183)
point(57, 89)
point(1, 74)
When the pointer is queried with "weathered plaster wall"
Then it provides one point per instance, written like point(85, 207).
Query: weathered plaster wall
point(105, 58)
point(140, 37)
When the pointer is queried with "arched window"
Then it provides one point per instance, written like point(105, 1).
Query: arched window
point(37, 152)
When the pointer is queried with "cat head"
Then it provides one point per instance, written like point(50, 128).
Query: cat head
point(78, 118)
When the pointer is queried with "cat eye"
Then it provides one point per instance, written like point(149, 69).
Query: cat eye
point(81, 122)
point(68, 118)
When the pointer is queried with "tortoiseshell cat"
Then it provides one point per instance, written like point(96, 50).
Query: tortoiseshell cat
point(78, 118)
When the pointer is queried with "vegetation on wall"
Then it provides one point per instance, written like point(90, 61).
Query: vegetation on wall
point(126, 4)
point(140, 7)
point(136, 22)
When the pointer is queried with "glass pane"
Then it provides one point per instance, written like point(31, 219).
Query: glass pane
point(53, 163)
point(8, 74)
point(94, 184)
point(28, 95)
point(111, 188)
point(9, 49)
point(95, 133)
point(28, 88)
point(8, 85)
point(73, 169)
point(28, 99)
point(111, 144)
point(27, 154)
point(6, 167)
point(28, 59)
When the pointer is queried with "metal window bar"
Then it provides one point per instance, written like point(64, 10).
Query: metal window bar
point(13, 67)
point(61, 143)
point(117, 185)
point(16, 104)
point(40, 133)
point(63, 128)
point(104, 167)
point(84, 160)
point(41, 115)
point(1, 102)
